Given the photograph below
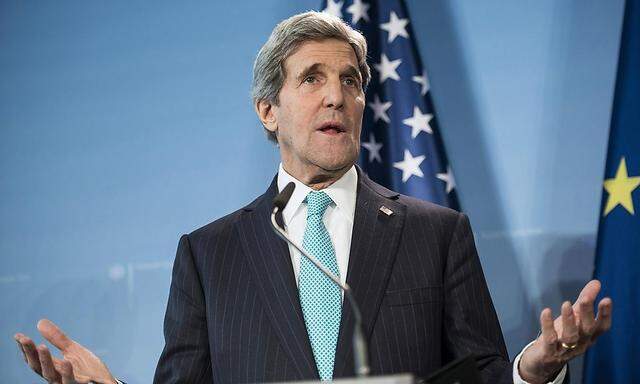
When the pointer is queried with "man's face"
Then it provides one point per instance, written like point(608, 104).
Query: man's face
point(319, 116)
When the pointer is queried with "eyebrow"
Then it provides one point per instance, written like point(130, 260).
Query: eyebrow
point(351, 71)
point(310, 69)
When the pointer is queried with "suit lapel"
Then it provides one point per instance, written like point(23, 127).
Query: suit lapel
point(374, 244)
point(270, 262)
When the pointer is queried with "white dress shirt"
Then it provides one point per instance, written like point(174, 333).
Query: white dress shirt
point(338, 219)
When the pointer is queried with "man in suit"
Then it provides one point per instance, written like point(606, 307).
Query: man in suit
point(244, 307)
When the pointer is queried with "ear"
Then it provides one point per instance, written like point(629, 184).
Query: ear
point(266, 114)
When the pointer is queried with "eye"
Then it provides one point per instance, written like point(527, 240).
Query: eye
point(309, 79)
point(350, 81)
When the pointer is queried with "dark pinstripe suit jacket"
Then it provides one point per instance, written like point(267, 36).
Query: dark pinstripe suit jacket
point(234, 316)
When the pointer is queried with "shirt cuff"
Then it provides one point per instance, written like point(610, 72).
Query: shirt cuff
point(516, 374)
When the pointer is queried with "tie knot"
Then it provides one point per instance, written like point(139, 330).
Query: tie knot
point(317, 203)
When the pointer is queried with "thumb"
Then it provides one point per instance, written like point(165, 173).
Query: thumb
point(53, 334)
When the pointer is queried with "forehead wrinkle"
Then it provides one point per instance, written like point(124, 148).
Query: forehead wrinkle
point(348, 69)
point(320, 54)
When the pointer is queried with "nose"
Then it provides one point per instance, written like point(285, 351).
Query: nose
point(334, 94)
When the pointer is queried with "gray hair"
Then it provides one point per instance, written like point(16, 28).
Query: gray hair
point(286, 38)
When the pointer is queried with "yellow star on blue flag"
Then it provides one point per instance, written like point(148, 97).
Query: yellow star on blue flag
point(620, 189)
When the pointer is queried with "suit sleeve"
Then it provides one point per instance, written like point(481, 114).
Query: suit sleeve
point(185, 357)
point(471, 324)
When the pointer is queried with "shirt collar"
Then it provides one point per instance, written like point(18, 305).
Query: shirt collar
point(342, 192)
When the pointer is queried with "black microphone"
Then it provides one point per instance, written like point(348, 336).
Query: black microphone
point(282, 199)
point(360, 356)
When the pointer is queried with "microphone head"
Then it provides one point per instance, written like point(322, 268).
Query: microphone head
point(282, 198)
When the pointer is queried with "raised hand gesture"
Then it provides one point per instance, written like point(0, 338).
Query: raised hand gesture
point(78, 365)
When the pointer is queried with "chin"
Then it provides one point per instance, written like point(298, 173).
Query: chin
point(337, 164)
point(333, 158)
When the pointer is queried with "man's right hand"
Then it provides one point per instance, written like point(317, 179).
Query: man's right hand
point(79, 364)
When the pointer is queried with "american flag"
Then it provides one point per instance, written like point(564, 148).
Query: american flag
point(401, 145)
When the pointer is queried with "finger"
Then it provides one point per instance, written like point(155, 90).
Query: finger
point(549, 336)
point(66, 372)
point(48, 370)
point(584, 312)
point(569, 328)
point(56, 363)
point(53, 334)
point(603, 321)
point(24, 355)
point(17, 339)
point(589, 292)
point(31, 353)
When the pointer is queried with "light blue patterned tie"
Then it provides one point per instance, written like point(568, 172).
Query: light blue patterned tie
point(320, 298)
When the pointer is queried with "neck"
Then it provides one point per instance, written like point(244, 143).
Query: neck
point(318, 178)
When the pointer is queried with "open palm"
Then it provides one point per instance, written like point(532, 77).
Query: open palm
point(79, 365)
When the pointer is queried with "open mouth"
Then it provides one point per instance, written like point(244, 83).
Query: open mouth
point(332, 128)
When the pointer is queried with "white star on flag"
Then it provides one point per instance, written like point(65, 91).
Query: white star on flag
point(447, 178)
point(395, 27)
point(419, 122)
point(358, 10)
point(380, 109)
point(373, 148)
point(334, 8)
point(424, 81)
point(410, 166)
point(387, 68)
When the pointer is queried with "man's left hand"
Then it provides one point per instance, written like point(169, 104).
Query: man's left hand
point(566, 337)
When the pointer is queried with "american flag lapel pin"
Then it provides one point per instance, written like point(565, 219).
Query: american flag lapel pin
point(386, 210)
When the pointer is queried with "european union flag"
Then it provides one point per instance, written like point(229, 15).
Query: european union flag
point(402, 146)
point(615, 358)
